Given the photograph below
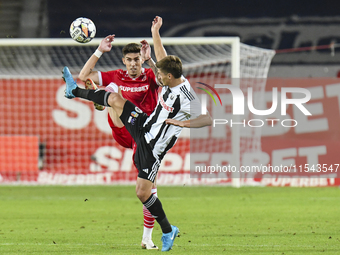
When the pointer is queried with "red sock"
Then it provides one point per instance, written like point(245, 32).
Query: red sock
point(149, 221)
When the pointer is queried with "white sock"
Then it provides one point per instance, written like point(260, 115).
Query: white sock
point(147, 233)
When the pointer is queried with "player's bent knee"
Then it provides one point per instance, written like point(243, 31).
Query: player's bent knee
point(143, 195)
point(116, 101)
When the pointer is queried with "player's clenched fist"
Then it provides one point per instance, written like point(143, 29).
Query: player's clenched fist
point(156, 24)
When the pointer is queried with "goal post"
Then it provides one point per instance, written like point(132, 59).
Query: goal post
point(30, 64)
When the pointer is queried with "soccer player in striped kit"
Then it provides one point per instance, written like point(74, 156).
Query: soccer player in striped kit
point(136, 84)
point(178, 107)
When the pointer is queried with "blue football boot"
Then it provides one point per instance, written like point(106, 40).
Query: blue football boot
point(70, 83)
point(169, 238)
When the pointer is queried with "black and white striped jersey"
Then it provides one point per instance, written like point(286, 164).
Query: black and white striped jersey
point(179, 103)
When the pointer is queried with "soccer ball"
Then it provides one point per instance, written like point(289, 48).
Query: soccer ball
point(82, 30)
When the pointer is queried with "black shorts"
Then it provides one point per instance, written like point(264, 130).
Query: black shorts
point(134, 118)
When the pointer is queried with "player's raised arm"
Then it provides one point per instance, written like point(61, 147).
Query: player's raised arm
point(200, 121)
point(145, 51)
point(87, 71)
point(158, 46)
point(146, 56)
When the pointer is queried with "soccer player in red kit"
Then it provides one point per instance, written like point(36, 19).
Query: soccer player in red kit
point(137, 85)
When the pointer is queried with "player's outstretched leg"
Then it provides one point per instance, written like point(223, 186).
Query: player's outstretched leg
point(169, 238)
point(89, 84)
point(70, 83)
point(97, 96)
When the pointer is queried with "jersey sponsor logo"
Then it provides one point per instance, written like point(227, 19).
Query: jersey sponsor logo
point(165, 106)
point(134, 89)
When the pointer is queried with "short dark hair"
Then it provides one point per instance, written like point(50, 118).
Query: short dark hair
point(171, 64)
point(131, 48)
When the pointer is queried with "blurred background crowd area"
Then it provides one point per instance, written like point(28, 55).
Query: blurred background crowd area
point(299, 24)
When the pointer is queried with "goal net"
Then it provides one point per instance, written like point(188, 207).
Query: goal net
point(48, 139)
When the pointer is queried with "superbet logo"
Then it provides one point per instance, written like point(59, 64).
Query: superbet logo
point(165, 106)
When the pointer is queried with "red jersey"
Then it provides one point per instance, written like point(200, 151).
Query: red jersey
point(141, 91)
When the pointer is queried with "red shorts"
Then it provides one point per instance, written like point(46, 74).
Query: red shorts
point(123, 137)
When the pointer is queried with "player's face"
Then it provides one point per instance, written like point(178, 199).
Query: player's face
point(133, 63)
point(163, 78)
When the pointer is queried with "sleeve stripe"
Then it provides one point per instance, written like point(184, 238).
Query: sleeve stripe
point(187, 93)
point(100, 78)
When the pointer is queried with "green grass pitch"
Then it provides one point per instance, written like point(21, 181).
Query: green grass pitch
point(212, 220)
